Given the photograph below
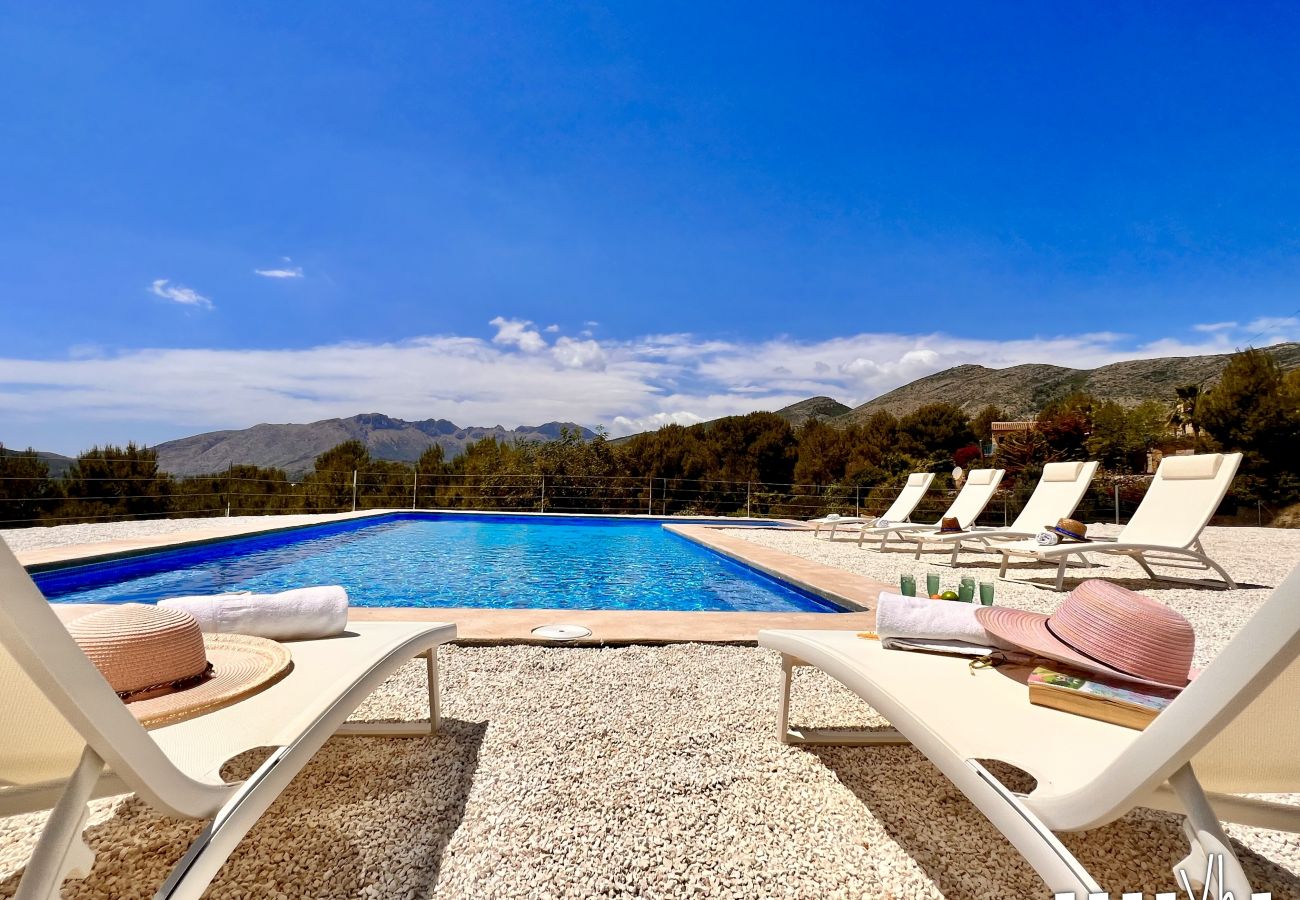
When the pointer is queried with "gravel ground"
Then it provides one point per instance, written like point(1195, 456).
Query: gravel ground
point(654, 772)
point(94, 532)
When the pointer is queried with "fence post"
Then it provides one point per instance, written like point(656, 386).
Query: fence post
point(1117, 503)
point(1005, 520)
point(1259, 511)
point(230, 469)
point(749, 491)
point(650, 504)
point(543, 493)
point(415, 486)
point(857, 500)
point(354, 490)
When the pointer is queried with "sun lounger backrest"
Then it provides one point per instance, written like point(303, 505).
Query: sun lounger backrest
point(905, 503)
point(975, 494)
point(1236, 722)
point(55, 702)
point(1058, 492)
point(1181, 500)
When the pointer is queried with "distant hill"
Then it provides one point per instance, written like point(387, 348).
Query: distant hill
point(825, 409)
point(1020, 391)
point(294, 448)
point(821, 408)
point(57, 462)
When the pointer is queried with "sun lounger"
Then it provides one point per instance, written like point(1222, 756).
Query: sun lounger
point(1232, 732)
point(1058, 492)
point(975, 494)
point(899, 511)
point(65, 738)
point(1166, 527)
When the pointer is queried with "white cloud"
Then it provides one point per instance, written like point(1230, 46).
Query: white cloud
point(579, 354)
point(287, 270)
point(629, 385)
point(1213, 327)
point(551, 329)
point(177, 293)
point(518, 333)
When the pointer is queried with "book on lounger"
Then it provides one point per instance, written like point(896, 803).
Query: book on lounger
point(1130, 705)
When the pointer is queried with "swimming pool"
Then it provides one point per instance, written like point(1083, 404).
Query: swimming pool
point(446, 559)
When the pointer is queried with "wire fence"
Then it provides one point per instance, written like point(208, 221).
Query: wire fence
point(110, 499)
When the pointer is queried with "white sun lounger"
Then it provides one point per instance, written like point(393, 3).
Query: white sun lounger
point(1233, 731)
point(1165, 528)
point(975, 494)
point(65, 738)
point(1055, 497)
point(899, 511)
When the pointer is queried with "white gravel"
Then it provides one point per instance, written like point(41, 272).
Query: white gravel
point(43, 537)
point(654, 772)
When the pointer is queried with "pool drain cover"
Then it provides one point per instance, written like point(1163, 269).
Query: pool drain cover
point(562, 632)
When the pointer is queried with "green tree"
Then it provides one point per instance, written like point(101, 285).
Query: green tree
point(1253, 409)
point(981, 424)
point(1121, 438)
point(115, 482)
point(26, 490)
point(1065, 425)
point(934, 432)
point(329, 486)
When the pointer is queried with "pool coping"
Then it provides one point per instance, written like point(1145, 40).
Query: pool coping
point(476, 626)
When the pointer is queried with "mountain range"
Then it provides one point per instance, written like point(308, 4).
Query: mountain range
point(295, 447)
point(1019, 391)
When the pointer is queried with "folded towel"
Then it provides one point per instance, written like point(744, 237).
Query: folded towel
point(302, 614)
point(883, 523)
point(832, 517)
point(1047, 539)
point(899, 618)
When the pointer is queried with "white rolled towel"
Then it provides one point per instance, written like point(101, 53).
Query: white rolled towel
point(1048, 539)
point(936, 620)
point(296, 615)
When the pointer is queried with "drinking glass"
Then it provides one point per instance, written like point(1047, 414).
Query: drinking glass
point(907, 583)
point(966, 590)
point(986, 593)
point(931, 584)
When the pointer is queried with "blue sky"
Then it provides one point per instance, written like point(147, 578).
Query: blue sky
point(621, 215)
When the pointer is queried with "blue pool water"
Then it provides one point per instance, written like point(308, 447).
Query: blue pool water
point(432, 560)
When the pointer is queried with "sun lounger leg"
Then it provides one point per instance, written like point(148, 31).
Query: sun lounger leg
point(1211, 847)
point(1002, 569)
point(61, 852)
point(845, 738)
point(404, 729)
point(1060, 573)
point(435, 700)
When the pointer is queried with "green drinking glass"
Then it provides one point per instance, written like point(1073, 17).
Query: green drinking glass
point(907, 584)
point(966, 590)
point(931, 584)
point(986, 593)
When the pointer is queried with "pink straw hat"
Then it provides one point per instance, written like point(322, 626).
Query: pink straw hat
point(166, 669)
point(1103, 628)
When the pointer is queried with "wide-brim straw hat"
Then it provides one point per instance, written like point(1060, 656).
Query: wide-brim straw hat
point(1104, 629)
point(166, 670)
point(1070, 528)
point(949, 525)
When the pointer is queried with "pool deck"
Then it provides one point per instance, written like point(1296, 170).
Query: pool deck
point(608, 627)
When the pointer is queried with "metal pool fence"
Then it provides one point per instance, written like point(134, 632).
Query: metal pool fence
point(229, 494)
